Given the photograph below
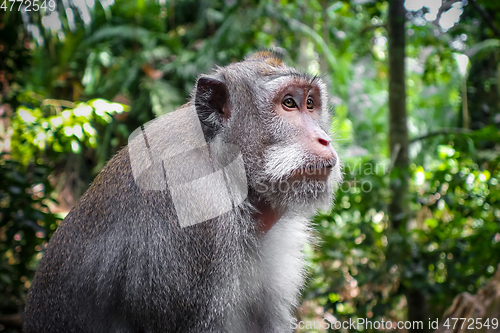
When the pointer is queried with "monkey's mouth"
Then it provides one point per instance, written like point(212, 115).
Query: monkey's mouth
point(322, 169)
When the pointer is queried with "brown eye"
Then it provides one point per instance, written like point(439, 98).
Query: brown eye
point(289, 103)
point(310, 103)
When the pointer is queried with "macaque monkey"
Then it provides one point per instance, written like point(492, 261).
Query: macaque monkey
point(198, 225)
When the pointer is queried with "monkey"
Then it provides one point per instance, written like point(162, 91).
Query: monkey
point(199, 224)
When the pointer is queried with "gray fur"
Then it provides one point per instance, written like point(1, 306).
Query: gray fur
point(120, 261)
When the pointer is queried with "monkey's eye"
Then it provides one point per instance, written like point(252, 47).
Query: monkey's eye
point(289, 103)
point(310, 103)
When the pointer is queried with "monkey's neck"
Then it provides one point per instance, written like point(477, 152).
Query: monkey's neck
point(266, 215)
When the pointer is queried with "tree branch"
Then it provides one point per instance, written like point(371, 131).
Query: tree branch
point(442, 132)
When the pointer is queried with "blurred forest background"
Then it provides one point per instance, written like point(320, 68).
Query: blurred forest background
point(417, 219)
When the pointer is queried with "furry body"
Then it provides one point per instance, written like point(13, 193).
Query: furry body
point(120, 261)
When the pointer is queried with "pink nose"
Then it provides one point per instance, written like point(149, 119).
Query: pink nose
point(323, 142)
point(325, 149)
point(323, 138)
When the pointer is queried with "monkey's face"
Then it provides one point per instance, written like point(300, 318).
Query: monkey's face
point(298, 104)
point(279, 118)
point(299, 164)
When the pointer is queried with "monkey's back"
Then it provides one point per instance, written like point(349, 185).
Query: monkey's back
point(121, 250)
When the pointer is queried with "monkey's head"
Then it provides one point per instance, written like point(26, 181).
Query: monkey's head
point(279, 119)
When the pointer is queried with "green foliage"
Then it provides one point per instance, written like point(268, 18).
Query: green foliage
point(38, 135)
point(26, 225)
point(451, 245)
point(147, 54)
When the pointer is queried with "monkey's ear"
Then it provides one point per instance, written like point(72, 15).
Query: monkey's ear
point(212, 104)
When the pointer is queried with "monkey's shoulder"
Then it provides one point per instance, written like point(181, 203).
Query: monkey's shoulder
point(114, 200)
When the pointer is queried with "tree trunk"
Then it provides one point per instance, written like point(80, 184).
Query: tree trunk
point(398, 145)
point(398, 131)
point(480, 313)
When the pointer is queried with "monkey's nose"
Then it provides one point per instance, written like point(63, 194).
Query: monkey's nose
point(323, 138)
point(323, 141)
point(326, 149)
